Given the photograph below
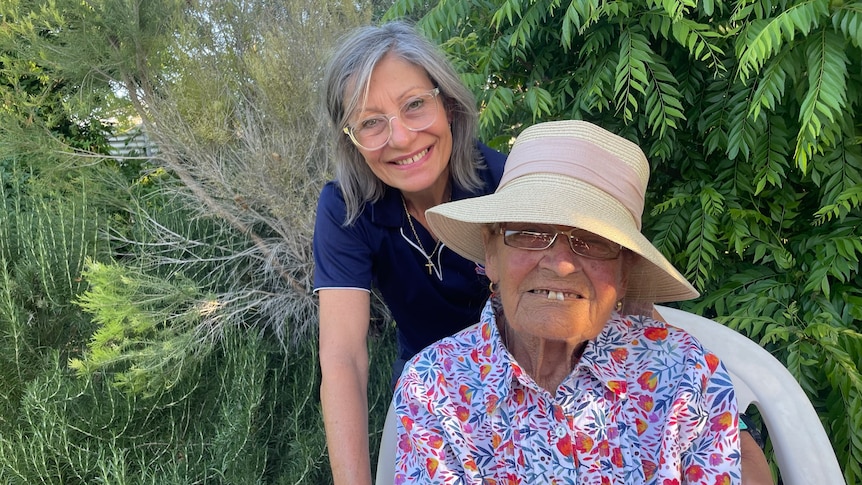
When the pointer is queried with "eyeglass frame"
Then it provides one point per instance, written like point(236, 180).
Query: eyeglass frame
point(508, 232)
point(348, 130)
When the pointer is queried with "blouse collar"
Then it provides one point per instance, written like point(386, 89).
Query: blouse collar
point(604, 357)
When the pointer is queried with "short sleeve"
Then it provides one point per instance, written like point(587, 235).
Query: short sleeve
point(342, 254)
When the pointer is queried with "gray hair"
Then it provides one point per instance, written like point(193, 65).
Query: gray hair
point(346, 79)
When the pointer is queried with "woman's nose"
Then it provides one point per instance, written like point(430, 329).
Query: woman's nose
point(400, 135)
point(560, 258)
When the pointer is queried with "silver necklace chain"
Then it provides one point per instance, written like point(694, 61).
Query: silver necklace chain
point(432, 268)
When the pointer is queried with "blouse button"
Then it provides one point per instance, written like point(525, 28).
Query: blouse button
point(560, 431)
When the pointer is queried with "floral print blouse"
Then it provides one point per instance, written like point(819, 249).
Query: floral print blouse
point(646, 404)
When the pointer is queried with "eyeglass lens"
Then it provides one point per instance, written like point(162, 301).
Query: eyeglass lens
point(418, 113)
point(584, 243)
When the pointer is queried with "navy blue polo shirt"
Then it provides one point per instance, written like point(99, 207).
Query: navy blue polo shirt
point(372, 253)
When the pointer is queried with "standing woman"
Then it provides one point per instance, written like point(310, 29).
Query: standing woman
point(405, 136)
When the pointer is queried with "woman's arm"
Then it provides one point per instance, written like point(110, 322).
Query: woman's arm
point(755, 469)
point(344, 321)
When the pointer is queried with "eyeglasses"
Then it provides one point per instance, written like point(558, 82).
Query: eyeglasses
point(418, 113)
point(583, 243)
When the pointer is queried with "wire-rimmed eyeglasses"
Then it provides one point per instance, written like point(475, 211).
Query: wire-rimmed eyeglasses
point(416, 114)
point(582, 243)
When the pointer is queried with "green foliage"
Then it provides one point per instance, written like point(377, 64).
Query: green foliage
point(188, 319)
point(747, 110)
point(42, 109)
point(45, 237)
point(145, 327)
point(170, 406)
point(242, 416)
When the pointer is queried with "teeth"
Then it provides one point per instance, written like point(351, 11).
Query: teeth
point(555, 295)
point(413, 159)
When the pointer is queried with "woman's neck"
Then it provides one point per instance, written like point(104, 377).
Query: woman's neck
point(547, 361)
point(418, 202)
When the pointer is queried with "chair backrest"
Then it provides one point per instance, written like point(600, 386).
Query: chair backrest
point(802, 450)
point(386, 455)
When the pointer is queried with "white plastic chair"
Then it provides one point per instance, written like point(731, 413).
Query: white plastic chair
point(386, 457)
point(802, 450)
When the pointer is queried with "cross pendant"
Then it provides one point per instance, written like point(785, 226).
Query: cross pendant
point(430, 266)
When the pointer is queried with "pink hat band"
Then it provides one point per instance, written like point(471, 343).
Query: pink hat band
point(580, 160)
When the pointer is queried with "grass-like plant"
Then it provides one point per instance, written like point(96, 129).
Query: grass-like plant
point(45, 237)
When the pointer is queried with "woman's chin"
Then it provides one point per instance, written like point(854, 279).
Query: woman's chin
point(557, 320)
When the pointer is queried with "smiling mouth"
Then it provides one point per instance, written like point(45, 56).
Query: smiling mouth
point(557, 295)
point(411, 160)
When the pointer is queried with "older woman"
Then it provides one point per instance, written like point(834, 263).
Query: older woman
point(553, 385)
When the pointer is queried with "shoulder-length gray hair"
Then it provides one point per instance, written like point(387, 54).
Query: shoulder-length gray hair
point(346, 79)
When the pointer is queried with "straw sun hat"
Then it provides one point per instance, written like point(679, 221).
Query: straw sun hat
point(569, 173)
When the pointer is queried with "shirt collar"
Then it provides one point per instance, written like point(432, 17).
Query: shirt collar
point(604, 357)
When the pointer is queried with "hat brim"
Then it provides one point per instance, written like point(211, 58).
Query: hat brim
point(547, 198)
